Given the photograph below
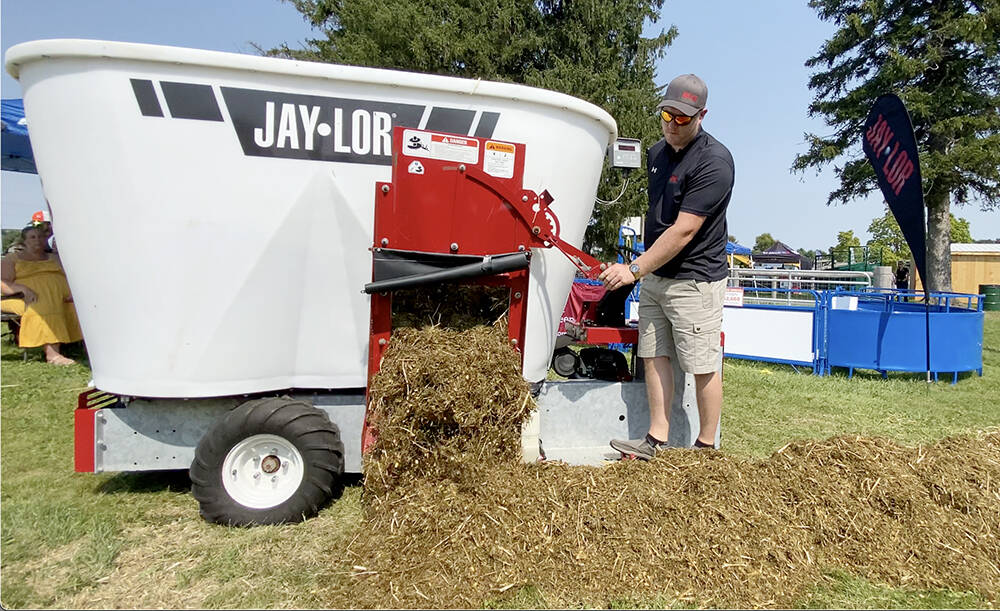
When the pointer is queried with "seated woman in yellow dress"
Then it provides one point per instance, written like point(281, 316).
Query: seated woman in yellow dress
point(48, 318)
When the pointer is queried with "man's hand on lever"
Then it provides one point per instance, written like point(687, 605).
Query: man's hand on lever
point(618, 275)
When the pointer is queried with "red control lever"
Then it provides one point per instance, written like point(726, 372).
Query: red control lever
point(533, 210)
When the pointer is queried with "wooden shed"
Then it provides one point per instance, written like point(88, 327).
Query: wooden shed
point(971, 266)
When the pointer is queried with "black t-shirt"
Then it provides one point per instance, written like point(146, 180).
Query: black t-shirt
point(699, 180)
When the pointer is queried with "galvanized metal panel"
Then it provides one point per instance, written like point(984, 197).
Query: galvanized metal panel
point(162, 434)
point(578, 418)
point(347, 411)
point(153, 434)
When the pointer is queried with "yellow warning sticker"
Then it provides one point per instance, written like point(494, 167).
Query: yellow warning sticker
point(499, 146)
point(499, 159)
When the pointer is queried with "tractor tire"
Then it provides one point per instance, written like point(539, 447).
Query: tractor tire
point(268, 461)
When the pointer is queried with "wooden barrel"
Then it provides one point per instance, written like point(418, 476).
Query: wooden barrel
point(992, 293)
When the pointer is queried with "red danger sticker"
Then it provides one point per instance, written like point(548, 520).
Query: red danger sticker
point(440, 146)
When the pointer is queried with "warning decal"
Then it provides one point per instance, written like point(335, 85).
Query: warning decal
point(499, 159)
point(440, 146)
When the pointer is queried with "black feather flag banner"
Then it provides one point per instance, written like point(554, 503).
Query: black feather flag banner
point(891, 148)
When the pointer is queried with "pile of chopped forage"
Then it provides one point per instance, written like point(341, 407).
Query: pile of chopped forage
point(455, 519)
point(447, 406)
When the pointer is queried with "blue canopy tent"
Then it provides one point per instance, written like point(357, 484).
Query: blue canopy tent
point(14, 143)
point(732, 248)
point(736, 252)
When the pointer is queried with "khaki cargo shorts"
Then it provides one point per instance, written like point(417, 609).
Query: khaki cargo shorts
point(681, 319)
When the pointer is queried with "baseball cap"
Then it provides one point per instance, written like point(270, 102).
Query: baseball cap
point(40, 217)
point(687, 93)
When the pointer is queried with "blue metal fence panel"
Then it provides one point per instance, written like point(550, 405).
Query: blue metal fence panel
point(888, 331)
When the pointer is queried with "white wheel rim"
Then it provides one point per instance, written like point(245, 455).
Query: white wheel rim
point(262, 471)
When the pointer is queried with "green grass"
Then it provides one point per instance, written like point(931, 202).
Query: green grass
point(768, 405)
point(135, 540)
point(841, 591)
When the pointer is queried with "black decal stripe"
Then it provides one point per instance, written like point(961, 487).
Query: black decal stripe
point(256, 115)
point(145, 95)
point(450, 120)
point(487, 123)
point(187, 101)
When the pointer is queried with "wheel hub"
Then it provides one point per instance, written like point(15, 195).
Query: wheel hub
point(262, 471)
point(270, 464)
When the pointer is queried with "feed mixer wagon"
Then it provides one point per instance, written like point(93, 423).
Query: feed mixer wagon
point(232, 228)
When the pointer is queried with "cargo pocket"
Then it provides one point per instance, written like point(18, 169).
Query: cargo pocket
point(706, 340)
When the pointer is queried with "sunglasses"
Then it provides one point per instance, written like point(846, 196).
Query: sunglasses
point(680, 119)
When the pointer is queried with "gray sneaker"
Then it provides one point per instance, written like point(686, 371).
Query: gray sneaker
point(642, 449)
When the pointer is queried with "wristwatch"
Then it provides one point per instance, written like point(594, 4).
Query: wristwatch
point(634, 268)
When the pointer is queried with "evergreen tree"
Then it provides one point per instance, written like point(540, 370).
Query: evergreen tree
point(590, 49)
point(941, 58)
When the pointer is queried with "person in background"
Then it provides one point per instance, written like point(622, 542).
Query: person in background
point(902, 276)
point(34, 287)
point(691, 176)
point(40, 220)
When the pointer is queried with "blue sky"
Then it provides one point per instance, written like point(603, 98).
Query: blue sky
point(751, 54)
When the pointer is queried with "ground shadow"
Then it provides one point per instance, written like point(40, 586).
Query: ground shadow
point(806, 369)
point(350, 480)
point(906, 376)
point(149, 481)
point(179, 481)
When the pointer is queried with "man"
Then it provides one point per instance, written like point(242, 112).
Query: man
point(684, 266)
point(902, 276)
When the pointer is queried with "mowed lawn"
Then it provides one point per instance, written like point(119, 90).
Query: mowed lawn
point(136, 540)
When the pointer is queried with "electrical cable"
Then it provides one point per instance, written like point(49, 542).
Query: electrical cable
point(615, 200)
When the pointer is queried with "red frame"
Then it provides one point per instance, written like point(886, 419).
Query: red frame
point(85, 427)
point(83, 440)
point(450, 207)
point(603, 335)
point(381, 331)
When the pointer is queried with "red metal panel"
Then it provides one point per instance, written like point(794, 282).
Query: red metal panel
point(84, 431)
point(453, 194)
point(441, 201)
point(609, 335)
point(432, 205)
point(378, 341)
point(83, 440)
point(517, 317)
point(722, 342)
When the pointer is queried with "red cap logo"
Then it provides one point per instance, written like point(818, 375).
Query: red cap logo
point(687, 95)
